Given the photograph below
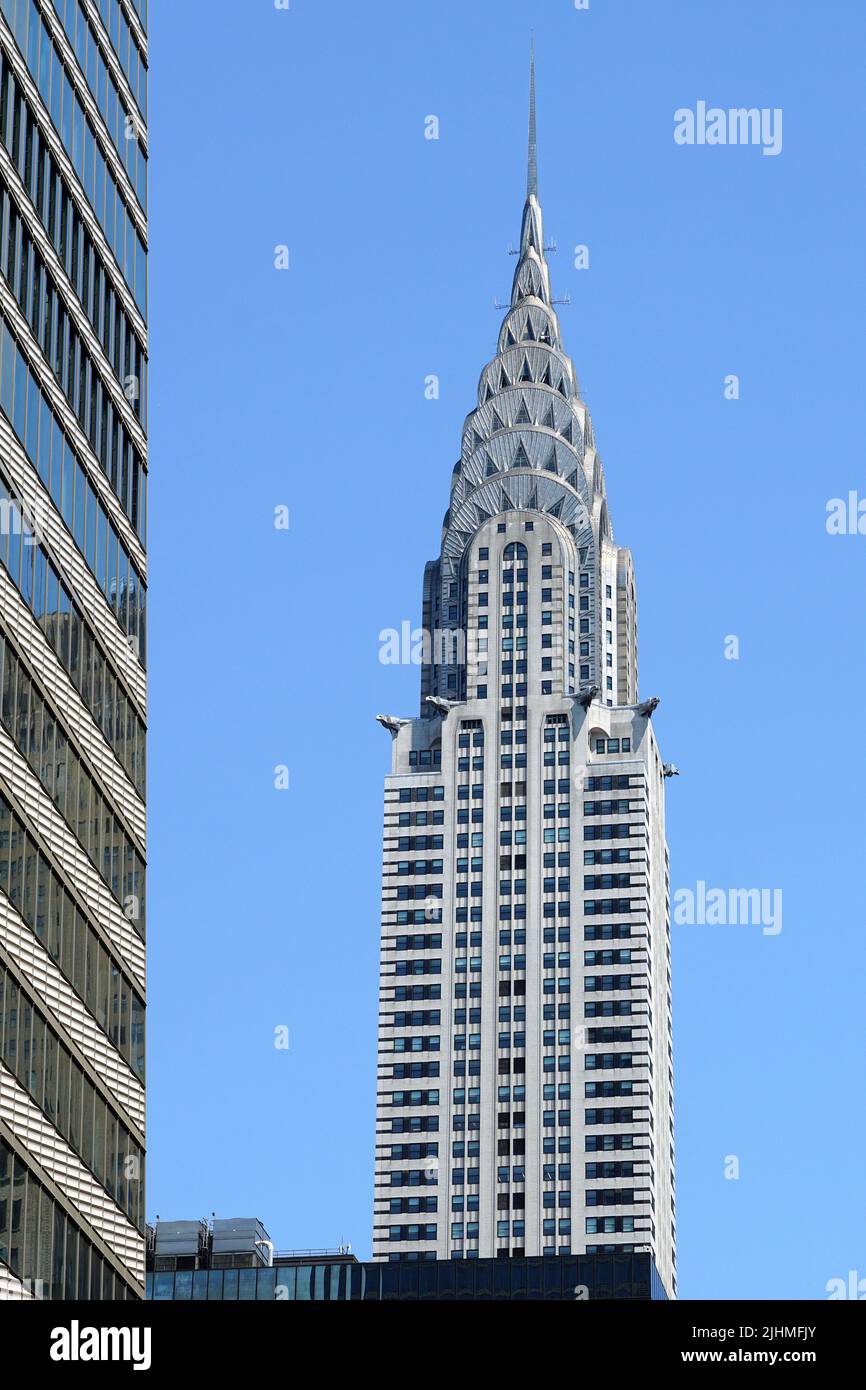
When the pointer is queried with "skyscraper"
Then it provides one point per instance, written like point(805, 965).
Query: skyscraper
point(525, 1084)
point(73, 396)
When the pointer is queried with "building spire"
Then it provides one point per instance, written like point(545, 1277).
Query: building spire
point(532, 161)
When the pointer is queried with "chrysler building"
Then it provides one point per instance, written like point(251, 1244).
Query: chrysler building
point(525, 1075)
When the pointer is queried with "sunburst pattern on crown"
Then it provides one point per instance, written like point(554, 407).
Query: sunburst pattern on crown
point(529, 443)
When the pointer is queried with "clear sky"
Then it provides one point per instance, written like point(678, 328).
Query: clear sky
point(305, 388)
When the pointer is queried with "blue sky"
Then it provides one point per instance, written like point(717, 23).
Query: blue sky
point(305, 388)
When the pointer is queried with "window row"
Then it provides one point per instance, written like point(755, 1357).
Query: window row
point(76, 499)
point(38, 894)
point(73, 16)
point(412, 1206)
point(611, 1197)
point(75, 369)
point(609, 1143)
point(408, 993)
point(418, 1018)
point(418, 967)
point(607, 1008)
point(610, 1170)
point(402, 1098)
point(609, 1061)
point(35, 1053)
point(122, 38)
point(425, 757)
point(606, 1090)
point(425, 1232)
point(429, 942)
point(416, 1044)
point(412, 1152)
point(40, 736)
point(414, 1071)
point(40, 1243)
point(609, 832)
point(89, 278)
point(50, 74)
point(73, 640)
point(606, 931)
point(517, 1147)
point(413, 1177)
point(29, 152)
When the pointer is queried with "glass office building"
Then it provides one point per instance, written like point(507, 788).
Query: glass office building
point(233, 1260)
point(558, 1279)
point(73, 648)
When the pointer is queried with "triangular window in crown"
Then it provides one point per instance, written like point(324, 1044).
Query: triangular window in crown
point(523, 416)
point(544, 335)
point(550, 419)
point(556, 509)
point(504, 379)
point(521, 458)
point(510, 340)
point(488, 393)
point(562, 387)
point(529, 332)
point(547, 380)
point(526, 370)
point(498, 422)
point(551, 462)
point(491, 468)
point(572, 480)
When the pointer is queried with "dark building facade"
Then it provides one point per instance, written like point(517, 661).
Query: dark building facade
point(73, 471)
point(235, 1262)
